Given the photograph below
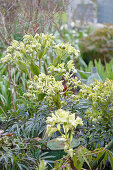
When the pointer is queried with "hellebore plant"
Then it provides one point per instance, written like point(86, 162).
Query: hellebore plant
point(29, 54)
point(30, 57)
point(47, 88)
point(62, 118)
point(66, 70)
point(51, 88)
point(100, 97)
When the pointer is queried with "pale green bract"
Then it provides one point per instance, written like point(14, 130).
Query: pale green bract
point(100, 97)
point(69, 123)
point(63, 68)
point(33, 52)
point(34, 48)
point(51, 88)
point(45, 85)
point(62, 49)
point(61, 116)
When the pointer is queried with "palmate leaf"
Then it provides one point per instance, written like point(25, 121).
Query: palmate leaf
point(83, 158)
point(99, 155)
point(30, 159)
point(34, 126)
point(102, 156)
point(42, 129)
point(1, 158)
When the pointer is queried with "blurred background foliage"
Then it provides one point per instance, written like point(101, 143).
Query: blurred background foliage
point(98, 45)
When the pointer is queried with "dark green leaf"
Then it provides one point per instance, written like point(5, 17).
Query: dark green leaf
point(41, 96)
point(75, 160)
point(22, 66)
point(110, 158)
point(34, 69)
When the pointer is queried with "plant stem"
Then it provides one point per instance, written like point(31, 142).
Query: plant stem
point(40, 64)
point(71, 137)
point(11, 85)
point(110, 145)
point(60, 132)
point(45, 68)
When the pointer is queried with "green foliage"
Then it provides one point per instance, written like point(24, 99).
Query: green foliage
point(84, 158)
point(45, 86)
point(62, 118)
point(22, 153)
point(98, 45)
point(28, 121)
point(98, 116)
point(12, 84)
point(16, 153)
point(100, 97)
point(49, 98)
point(104, 71)
point(73, 36)
point(28, 54)
point(51, 88)
point(5, 96)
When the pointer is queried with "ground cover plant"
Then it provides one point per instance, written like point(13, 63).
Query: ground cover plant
point(50, 102)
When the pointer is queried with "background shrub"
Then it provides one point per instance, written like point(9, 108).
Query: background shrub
point(98, 45)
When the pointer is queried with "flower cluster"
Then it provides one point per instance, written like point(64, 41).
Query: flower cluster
point(29, 48)
point(100, 96)
point(29, 54)
point(59, 69)
point(63, 117)
point(65, 49)
point(52, 86)
point(63, 68)
point(46, 85)
point(69, 123)
point(67, 72)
